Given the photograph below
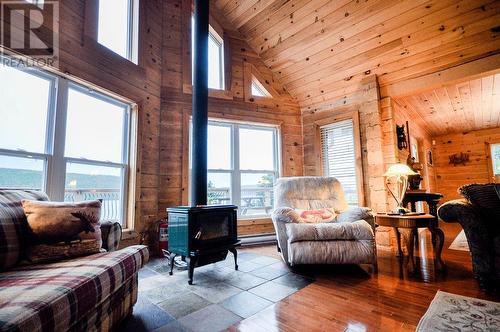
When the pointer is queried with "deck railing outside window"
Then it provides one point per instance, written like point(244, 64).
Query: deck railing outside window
point(254, 200)
point(111, 207)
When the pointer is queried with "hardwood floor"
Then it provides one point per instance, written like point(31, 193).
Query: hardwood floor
point(346, 298)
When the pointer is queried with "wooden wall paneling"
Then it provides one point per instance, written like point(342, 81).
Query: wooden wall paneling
point(321, 50)
point(471, 70)
point(464, 106)
point(367, 104)
point(391, 71)
point(449, 177)
point(82, 59)
point(340, 116)
point(331, 18)
point(420, 16)
point(280, 110)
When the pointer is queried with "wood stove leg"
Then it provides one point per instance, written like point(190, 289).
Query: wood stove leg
point(192, 261)
point(235, 254)
point(171, 262)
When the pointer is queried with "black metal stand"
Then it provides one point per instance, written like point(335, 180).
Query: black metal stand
point(197, 258)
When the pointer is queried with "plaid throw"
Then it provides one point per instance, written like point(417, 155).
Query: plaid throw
point(13, 224)
point(64, 295)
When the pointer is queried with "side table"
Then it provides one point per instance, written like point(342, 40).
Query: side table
point(407, 226)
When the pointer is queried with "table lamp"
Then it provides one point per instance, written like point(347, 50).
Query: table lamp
point(400, 172)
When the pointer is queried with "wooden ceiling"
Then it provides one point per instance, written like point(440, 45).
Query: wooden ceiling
point(460, 107)
point(320, 49)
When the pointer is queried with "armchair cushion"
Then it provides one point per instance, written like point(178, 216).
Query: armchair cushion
point(357, 230)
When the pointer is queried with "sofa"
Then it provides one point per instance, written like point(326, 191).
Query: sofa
point(349, 239)
point(479, 215)
point(90, 293)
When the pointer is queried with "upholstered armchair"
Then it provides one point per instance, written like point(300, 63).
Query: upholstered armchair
point(348, 239)
point(479, 216)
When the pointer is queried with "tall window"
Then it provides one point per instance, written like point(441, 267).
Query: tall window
point(495, 159)
point(73, 144)
point(242, 166)
point(215, 58)
point(339, 157)
point(118, 27)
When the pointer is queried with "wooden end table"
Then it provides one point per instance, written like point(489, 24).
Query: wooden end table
point(407, 226)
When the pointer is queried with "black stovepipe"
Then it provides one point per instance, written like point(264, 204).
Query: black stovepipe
point(200, 103)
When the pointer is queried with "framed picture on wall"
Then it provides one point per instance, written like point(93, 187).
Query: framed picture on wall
point(430, 160)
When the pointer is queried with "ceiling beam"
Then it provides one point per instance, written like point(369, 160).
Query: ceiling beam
point(471, 70)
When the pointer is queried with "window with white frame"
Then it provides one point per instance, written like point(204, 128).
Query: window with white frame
point(38, 3)
point(242, 166)
point(215, 58)
point(73, 144)
point(258, 89)
point(118, 27)
point(495, 159)
point(339, 156)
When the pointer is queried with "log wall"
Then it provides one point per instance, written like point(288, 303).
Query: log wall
point(475, 143)
point(232, 104)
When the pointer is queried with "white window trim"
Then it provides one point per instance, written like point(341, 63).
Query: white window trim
point(326, 170)
point(220, 42)
point(54, 170)
point(212, 34)
point(259, 88)
point(132, 31)
point(235, 171)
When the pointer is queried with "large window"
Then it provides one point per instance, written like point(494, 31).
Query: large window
point(339, 156)
point(118, 27)
point(495, 159)
point(73, 144)
point(215, 58)
point(242, 166)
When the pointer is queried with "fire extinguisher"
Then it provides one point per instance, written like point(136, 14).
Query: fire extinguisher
point(163, 238)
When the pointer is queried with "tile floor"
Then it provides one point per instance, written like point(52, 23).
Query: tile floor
point(218, 298)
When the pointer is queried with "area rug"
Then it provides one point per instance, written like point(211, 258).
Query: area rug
point(451, 312)
point(460, 242)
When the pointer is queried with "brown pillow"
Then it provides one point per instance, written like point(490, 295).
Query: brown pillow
point(61, 230)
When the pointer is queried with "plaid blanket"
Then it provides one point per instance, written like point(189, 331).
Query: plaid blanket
point(57, 296)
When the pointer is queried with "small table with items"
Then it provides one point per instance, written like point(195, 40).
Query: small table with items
point(407, 226)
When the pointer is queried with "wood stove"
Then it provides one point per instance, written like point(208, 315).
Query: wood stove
point(201, 234)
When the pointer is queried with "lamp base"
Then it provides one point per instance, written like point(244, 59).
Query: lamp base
point(399, 210)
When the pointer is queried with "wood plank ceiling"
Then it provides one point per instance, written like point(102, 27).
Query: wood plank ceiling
point(320, 49)
point(459, 107)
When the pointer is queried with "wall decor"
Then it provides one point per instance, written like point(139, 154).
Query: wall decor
point(430, 158)
point(459, 158)
point(401, 135)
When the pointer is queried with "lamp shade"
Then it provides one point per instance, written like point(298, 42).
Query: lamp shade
point(399, 169)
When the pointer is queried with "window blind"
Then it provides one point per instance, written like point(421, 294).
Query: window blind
point(338, 155)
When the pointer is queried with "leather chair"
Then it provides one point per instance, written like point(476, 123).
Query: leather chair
point(349, 239)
